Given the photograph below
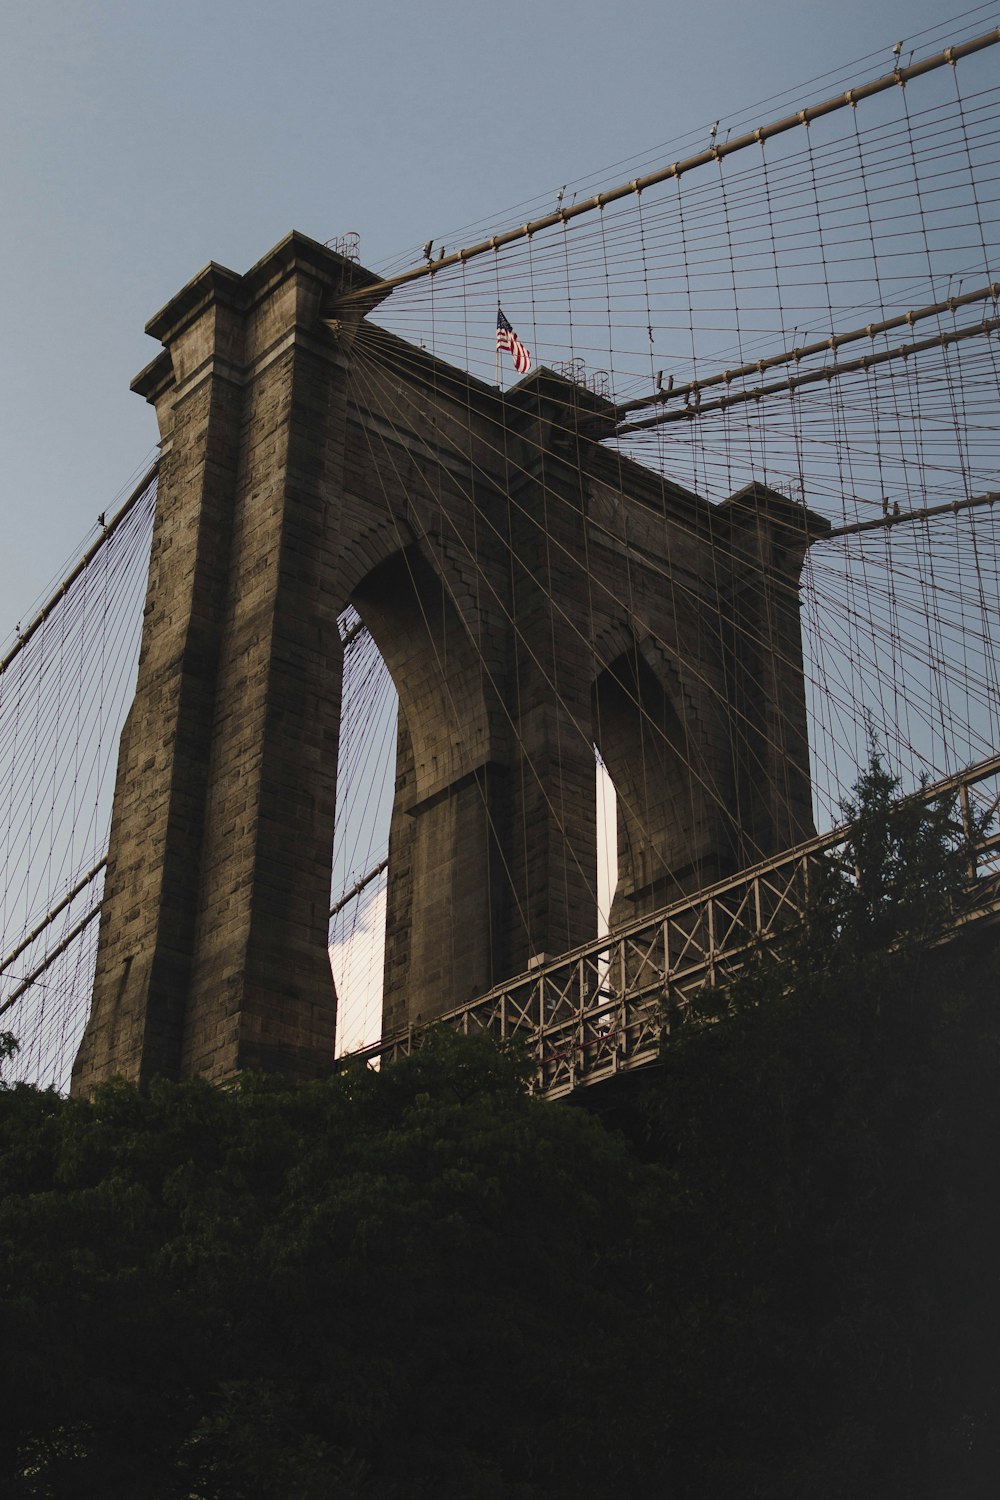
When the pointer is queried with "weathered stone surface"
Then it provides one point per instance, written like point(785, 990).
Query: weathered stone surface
point(532, 593)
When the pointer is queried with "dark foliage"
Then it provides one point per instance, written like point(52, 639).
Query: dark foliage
point(424, 1283)
point(832, 1145)
point(379, 1285)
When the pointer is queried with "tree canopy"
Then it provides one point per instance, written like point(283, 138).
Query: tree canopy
point(380, 1284)
point(773, 1273)
point(832, 1146)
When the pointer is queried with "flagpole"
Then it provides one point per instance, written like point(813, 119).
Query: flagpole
point(497, 380)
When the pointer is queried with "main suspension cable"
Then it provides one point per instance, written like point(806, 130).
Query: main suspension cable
point(898, 78)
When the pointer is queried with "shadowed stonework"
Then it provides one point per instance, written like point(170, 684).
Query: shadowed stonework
point(532, 593)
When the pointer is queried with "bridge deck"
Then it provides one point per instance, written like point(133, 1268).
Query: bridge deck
point(602, 1009)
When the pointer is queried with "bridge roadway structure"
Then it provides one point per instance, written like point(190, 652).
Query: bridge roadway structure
point(605, 1009)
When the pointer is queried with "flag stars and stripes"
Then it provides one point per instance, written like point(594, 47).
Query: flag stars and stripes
point(508, 339)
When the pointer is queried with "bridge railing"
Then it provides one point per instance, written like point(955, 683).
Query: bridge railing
point(603, 1008)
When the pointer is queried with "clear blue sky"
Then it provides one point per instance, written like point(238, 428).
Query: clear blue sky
point(138, 141)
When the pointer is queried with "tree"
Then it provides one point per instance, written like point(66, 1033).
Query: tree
point(901, 874)
point(423, 1282)
point(8, 1047)
point(832, 1144)
point(416, 1282)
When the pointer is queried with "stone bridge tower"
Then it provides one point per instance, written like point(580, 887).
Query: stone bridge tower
point(532, 592)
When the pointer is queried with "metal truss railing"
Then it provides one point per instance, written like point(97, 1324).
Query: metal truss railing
point(603, 1009)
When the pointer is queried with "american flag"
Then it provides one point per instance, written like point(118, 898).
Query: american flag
point(508, 339)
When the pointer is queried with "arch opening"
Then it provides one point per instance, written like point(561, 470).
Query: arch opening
point(445, 900)
point(668, 834)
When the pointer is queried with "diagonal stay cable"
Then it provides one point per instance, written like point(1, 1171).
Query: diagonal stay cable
point(84, 563)
point(51, 915)
point(50, 958)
